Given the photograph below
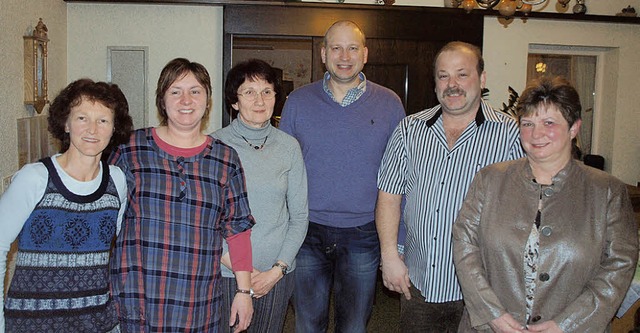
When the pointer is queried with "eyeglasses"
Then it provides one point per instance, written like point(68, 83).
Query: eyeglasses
point(252, 95)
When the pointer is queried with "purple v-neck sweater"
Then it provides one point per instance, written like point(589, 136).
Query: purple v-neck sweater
point(342, 148)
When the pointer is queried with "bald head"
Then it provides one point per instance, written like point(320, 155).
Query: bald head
point(344, 54)
point(343, 24)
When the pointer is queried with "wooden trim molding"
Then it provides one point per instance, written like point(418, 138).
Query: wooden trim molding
point(482, 12)
point(421, 23)
point(570, 17)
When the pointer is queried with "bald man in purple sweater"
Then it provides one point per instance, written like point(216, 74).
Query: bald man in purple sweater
point(342, 123)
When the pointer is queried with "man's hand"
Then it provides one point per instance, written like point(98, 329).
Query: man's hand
point(395, 275)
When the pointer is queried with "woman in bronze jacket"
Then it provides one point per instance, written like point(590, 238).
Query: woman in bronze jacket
point(544, 243)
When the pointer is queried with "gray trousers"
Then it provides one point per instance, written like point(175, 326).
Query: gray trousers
point(268, 311)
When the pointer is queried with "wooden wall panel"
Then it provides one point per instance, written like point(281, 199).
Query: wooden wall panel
point(397, 37)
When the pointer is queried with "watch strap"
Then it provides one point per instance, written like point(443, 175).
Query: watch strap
point(245, 291)
point(283, 267)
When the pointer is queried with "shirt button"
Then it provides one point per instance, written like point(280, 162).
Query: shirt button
point(544, 277)
point(548, 192)
point(536, 319)
point(546, 231)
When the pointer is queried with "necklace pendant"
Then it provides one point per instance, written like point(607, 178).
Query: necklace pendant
point(254, 146)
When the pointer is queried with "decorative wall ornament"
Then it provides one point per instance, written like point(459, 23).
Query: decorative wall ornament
point(35, 67)
point(507, 8)
point(629, 11)
point(579, 7)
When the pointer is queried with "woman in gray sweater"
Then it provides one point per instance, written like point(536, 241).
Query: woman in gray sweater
point(277, 188)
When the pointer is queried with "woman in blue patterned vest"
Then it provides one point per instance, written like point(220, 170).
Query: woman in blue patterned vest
point(65, 211)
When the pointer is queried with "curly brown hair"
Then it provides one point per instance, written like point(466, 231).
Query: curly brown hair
point(107, 94)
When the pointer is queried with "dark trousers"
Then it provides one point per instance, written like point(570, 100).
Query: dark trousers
point(416, 315)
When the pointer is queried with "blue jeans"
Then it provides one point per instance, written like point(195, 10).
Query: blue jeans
point(346, 258)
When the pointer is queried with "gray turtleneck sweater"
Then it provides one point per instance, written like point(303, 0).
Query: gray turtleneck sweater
point(277, 188)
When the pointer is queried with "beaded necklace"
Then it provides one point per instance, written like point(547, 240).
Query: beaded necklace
point(254, 146)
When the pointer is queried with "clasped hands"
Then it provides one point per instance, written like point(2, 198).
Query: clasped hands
point(263, 281)
point(507, 324)
point(242, 309)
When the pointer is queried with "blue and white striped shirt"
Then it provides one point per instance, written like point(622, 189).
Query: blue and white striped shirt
point(419, 164)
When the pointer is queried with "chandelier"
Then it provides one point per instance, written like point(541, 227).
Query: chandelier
point(508, 8)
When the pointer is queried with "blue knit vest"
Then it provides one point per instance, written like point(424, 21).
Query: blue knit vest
point(61, 281)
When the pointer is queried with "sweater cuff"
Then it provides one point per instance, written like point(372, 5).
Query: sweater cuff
point(240, 251)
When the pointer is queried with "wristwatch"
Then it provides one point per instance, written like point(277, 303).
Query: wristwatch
point(245, 291)
point(283, 267)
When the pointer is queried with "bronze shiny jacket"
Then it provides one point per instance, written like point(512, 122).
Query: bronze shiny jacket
point(587, 255)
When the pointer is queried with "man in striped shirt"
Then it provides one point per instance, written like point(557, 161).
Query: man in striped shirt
point(431, 159)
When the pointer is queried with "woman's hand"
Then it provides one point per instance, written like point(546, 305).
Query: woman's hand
point(506, 324)
point(242, 310)
point(254, 273)
point(546, 327)
point(263, 282)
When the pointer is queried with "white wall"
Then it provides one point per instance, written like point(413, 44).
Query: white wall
point(17, 17)
point(169, 31)
point(619, 127)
